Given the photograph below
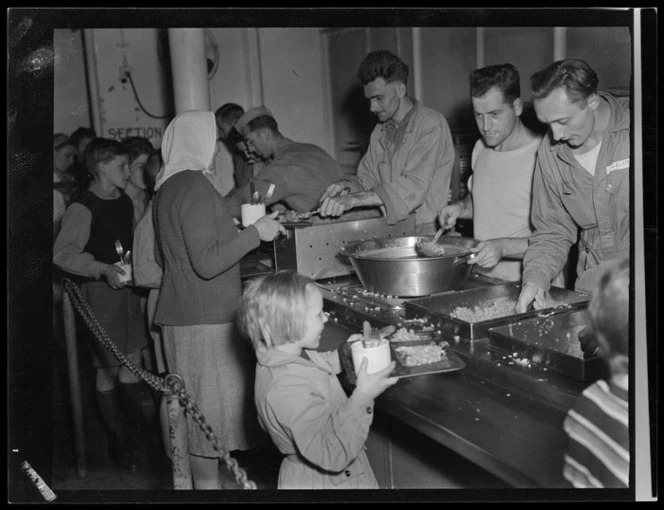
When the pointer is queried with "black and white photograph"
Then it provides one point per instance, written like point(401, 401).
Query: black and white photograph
point(400, 255)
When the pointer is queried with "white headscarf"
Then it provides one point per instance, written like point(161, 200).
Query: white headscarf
point(189, 143)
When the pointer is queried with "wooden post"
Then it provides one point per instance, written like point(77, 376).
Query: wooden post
point(74, 383)
point(177, 431)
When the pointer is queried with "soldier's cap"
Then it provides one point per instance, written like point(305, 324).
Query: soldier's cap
point(249, 115)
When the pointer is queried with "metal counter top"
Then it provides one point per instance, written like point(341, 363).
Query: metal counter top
point(498, 412)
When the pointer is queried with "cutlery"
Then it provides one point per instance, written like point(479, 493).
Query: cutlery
point(119, 250)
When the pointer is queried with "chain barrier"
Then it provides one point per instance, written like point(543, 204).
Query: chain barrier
point(172, 382)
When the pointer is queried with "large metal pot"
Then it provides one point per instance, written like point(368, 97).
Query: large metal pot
point(392, 266)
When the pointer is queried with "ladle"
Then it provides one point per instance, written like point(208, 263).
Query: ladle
point(431, 248)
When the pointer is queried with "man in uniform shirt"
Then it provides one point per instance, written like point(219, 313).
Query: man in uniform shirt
point(294, 174)
point(408, 165)
point(244, 165)
point(581, 182)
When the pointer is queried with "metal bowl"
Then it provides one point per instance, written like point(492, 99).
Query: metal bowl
point(392, 266)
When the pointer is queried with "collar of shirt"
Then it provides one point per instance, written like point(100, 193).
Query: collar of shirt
point(394, 132)
point(274, 358)
point(616, 123)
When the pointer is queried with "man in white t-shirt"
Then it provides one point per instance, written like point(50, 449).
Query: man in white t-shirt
point(503, 162)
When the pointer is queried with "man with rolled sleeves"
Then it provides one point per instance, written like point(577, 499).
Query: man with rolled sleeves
point(408, 165)
point(581, 182)
point(294, 174)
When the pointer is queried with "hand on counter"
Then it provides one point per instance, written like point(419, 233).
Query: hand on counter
point(530, 293)
point(588, 341)
point(340, 188)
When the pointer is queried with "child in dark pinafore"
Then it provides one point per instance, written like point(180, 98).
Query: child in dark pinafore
point(85, 247)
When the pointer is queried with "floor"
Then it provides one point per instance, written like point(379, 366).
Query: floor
point(103, 479)
point(153, 481)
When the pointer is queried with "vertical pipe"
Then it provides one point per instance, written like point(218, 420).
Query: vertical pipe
point(177, 431)
point(559, 43)
point(479, 34)
point(93, 79)
point(417, 63)
point(189, 65)
point(74, 384)
point(330, 139)
point(251, 42)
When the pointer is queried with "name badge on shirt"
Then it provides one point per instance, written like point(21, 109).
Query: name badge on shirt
point(617, 165)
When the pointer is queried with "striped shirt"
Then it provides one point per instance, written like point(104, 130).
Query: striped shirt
point(597, 427)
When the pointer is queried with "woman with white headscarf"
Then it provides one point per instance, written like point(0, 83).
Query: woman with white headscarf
point(199, 248)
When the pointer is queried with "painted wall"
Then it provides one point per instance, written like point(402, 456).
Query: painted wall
point(281, 67)
point(128, 110)
point(292, 82)
point(608, 50)
point(71, 92)
point(448, 55)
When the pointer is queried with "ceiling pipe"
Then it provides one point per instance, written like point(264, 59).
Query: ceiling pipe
point(191, 90)
point(90, 52)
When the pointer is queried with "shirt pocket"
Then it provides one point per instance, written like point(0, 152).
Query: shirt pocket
point(351, 472)
point(617, 188)
point(579, 205)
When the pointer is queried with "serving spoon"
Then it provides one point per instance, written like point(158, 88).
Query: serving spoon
point(119, 250)
point(431, 248)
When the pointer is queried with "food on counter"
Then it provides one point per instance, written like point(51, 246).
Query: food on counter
point(416, 355)
point(404, 335)
point(406, 252)
point(501, 307)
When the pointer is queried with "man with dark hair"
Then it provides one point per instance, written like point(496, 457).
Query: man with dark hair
point(581, 182)
point(408, 165)
point(295, 175)
point(503, 162)
point(244, 164)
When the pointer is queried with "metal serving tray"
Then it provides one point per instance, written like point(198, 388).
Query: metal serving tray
point(552, 342)
point(452, 363)
point(438, 308)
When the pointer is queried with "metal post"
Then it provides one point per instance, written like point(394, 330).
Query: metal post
point(177, 431)
point(189, 66)
point(74, 383)
point(90, 51)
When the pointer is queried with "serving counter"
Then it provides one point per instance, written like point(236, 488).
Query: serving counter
point(499, 416)
point(502, 415)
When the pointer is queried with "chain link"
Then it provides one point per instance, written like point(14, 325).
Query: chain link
point(171, 382)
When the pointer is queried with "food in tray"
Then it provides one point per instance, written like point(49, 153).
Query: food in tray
point(289, 217)
point(417, 355)
point(394, 252)
point(501, 307)
point(404, 335)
